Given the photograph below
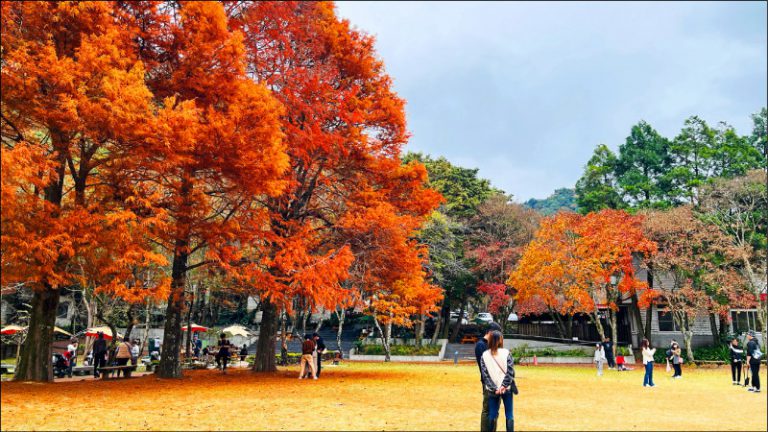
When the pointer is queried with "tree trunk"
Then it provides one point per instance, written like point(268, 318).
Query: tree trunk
point(614, 329)
point(648, 319)
point(446, 314)
point(283, 337)
point(595, 318)
point(146, 328)
point(713, 329)
point(188, 338)
point(420, 330)
point(436, 333)
point(341, 314)
point(35, 359)
point(384, 339)
point(320, 322)
point(90, 311)
point(455, 334)
point(265, 347)
point(635, 309)
point(132, 321)
point(169, 366)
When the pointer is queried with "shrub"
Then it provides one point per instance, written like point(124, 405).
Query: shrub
point(404, 350)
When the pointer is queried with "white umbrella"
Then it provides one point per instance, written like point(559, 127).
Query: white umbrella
point(237, 330)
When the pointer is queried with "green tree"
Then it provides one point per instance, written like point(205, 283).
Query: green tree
point(462, 188)
point(692, 153)
point(759, 137)
point(733, 155)
point(597, 188)
point(643, 160)
point(561, 199)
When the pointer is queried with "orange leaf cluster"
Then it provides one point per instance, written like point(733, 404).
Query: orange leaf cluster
point(569, 264)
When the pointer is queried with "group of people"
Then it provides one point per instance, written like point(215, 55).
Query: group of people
point(125, 351)
point(604, 355)
point(312, 350)
point(497, 375)
point(751, 364)
point(738, 362)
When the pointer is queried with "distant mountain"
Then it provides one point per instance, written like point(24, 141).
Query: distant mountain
point(561, 199)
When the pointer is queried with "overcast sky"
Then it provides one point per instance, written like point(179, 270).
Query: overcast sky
point(525, 91)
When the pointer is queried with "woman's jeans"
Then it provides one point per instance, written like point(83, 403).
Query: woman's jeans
point(736, 371)
point(648, 378)
point(678, 369)
point(494, 404)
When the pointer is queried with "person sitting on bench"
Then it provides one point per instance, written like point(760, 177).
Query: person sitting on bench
point(123, 356)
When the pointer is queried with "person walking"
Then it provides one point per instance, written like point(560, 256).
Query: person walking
point(497, 368)
point(243, 352)
point(648, 353)
point(600, 358)
point(99, 353)
point(319, 350)
point(608, 350)
point(481, 347)
point(737, 363)
point(754, 356)
point(677, 360)
point(71, 355)
point(307, 347)
point(222, 357)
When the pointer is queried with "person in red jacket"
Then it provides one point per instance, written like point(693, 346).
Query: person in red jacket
point(306, 357)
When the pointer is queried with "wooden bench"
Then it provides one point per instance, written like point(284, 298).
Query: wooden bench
point(107, 370)
point(469, 339)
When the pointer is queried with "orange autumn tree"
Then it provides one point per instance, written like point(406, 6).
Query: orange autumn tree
point(215, 152)
point(73, 104)
point(344, 126)
point(549, 273)
point(390, 266)
point(611, 243)
point(575, 264)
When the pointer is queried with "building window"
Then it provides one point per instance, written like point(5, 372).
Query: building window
point(666, 322)
point(744, 320)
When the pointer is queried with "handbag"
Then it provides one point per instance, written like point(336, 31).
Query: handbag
point(512, 385)
point(668, 367)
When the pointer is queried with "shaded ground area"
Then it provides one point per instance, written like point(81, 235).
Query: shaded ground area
point(392, 396)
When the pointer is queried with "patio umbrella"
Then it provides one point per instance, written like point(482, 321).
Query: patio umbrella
point(236, 330)
point(94, 332)
point(13, 329)
point(195, 328)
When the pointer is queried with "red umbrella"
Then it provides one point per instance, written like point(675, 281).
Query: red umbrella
point(195, 328)
point(94, 332)
point(11, 329)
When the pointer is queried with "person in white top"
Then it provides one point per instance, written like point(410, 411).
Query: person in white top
point(648, 353)
point(72, 355)
point(497, 368)
point(135, 352)
point(599, 358)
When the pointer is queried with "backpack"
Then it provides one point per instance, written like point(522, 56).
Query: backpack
point(757, 354)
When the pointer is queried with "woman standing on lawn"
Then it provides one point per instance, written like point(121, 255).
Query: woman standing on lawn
point(497, 368)
point(599, 359)
point(648, 353)
point(677, 360)
point(736, 361)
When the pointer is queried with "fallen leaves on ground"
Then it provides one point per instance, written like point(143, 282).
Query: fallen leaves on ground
point(376, 396)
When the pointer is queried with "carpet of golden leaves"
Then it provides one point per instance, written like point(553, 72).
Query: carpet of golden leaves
point(376, 396)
